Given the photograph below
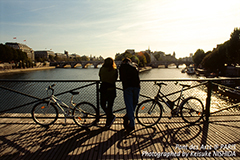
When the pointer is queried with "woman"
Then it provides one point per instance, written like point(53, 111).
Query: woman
point(108, 76)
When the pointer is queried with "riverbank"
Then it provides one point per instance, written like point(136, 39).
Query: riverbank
point(6, 71)
point(144, 69)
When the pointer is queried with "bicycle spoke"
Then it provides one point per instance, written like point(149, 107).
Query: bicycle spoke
point(84, 114)
point(192, 110)
point(148, 113)
point(44, 114)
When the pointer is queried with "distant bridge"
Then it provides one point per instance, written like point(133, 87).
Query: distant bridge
point(85, 64)
point(155, 64)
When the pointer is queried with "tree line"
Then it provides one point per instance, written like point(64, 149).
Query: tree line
point(20, 59)
point(16, 56)
point(140, 58)
point(54, 58)
point(227, 53)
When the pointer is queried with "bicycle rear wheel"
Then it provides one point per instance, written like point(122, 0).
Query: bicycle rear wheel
point(192, 110)
point(44, 114)
point(85, 114)
point(149, 112)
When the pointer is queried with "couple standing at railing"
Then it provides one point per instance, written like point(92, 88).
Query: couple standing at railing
point(129, 76)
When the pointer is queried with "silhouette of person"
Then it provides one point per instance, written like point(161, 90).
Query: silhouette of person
point(108, 76)
point(129, 76)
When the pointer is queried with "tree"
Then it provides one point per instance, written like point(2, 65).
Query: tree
point(85, 58)
point(51, 58)
point(217, 58)
point(120, 57)
point(233, 52)
point(198, 56)
point(135, 59)
point(57, 58)
point(148, 58)
point(142, 59)
point(226, 53)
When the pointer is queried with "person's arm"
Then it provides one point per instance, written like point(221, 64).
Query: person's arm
point(116, 74)
point(122, 74)
point(99, 73)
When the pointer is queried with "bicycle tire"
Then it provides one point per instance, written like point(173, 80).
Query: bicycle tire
point(85, 114)
point(146, 117)
point(192, 110)
point(44, 114)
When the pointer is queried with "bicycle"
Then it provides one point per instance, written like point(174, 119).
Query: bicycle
point(46, 112)
point(149, 112)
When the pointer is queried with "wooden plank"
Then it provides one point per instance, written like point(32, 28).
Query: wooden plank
point(12, 136)
point(23, 139)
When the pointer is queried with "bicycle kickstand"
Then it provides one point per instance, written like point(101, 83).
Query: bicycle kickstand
point(65, 121)
point(65, 117)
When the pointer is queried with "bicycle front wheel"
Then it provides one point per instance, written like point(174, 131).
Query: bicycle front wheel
point(44, 114)
point(192, 110)
point(149, 113)
point(85, 114)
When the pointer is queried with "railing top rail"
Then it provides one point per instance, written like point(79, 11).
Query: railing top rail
point(161, 79)
point(44, 80)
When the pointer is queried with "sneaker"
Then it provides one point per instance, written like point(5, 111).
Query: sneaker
point(130, 129)
point(110, 124)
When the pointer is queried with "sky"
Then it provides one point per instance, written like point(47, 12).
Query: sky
point(106, 27)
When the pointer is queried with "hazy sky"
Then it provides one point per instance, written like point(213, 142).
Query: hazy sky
point(107, 27)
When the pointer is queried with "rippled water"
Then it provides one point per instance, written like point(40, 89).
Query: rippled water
point(92, 74)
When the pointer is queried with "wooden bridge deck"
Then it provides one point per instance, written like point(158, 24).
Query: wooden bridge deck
point(21, 138)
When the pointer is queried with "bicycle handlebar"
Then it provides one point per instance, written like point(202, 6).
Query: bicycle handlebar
point(176, 83)
point(51, 88)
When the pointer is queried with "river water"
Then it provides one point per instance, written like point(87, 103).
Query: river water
point(147, 88)
point(91, 74)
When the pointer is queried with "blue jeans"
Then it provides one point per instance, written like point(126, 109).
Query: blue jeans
point(131, 95)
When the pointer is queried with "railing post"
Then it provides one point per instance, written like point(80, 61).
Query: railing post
point(208, 101)
point(97, 93)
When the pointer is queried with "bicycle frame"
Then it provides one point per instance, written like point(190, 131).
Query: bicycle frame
point(60, 103)
point(160, 96)
point(188, 107)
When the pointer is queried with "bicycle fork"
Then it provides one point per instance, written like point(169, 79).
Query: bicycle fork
point(67, 113)
point(176, 110)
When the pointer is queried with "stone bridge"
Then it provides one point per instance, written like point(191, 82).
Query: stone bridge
point(155, 64)
point(84, 64)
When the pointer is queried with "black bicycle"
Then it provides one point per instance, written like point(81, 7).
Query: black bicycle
point(149, 112)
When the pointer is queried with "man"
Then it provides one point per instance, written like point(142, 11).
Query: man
point(129, 76)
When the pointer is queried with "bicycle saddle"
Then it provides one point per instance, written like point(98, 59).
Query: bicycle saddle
point(185, 85)
point(159, 84)
point(73, 93)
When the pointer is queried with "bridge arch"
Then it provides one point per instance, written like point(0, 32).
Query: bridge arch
point(155, 64)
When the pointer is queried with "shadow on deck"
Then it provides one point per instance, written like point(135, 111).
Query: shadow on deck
point(23, 139)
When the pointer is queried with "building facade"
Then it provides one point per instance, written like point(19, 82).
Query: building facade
point(23, 48)
point(43, 54)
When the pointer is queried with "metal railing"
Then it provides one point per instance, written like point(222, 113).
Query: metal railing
point(17, 97)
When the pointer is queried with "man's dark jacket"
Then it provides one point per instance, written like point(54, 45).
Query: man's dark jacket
point(129, 75)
